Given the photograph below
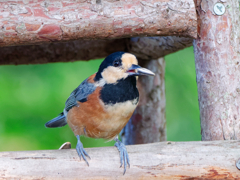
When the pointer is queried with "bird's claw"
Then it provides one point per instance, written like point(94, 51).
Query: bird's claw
point(124, 159)
point(81, 152)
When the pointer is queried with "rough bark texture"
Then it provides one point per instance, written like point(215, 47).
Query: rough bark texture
point(148, 48)
point(218, 70)
point(31, 22)
point(60, 52)
point(148, 123)
point(143, 47)
point(166, 160)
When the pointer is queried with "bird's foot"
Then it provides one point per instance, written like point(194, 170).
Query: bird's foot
point(81, 151)
point(124, 159)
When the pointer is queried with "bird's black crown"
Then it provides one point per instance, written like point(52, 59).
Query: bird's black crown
point(113, 59)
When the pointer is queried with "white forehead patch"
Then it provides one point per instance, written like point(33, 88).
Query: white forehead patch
point(128, 59)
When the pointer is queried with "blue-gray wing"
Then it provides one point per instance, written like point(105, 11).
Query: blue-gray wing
point(80, 94)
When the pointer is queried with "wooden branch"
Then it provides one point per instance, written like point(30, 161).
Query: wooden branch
point(144, 48)
point(217, 68)
point(148, 48)
point(33, 22)
point(148, 123)
point(60, 52)
point(166, 160)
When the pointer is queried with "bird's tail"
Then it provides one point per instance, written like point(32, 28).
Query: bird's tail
point(57, 121)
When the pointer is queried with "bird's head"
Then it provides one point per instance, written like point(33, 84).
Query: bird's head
point(120, 65)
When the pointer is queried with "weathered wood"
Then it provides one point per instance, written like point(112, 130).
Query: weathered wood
point(143, 47)
point(217, 68)
point(166, 160)
point(33, 22)
point(148, 123)
point(60, 52)
point(149, 48)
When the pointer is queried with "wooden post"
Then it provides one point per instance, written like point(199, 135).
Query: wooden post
point(148, 123)
point(217, 68)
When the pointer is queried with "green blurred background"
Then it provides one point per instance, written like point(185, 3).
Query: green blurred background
point(30, 95)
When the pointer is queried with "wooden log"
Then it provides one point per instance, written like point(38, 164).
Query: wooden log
point(60, 52)
point(148, 48)
point(143, 47)
point(217, 68)
point(33, 22)
point(165, 160)
point(148, 123)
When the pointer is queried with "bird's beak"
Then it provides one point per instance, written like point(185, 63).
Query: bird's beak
point(136, 70)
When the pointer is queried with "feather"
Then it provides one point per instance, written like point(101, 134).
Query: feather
point(58, 121)
point(80, 94)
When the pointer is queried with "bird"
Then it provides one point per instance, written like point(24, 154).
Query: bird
point(102, 104)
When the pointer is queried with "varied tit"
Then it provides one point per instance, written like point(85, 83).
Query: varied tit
point(102, 104)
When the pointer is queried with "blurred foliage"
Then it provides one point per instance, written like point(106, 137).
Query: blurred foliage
point(182, 111)
point(30, 95)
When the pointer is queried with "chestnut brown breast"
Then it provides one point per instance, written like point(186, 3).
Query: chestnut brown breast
point(94, 119)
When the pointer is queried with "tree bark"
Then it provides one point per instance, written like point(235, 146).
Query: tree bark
point(143, 47)
point(61, 52)
point(166, 160)
point(148, 48)
point(148, 123)
point(218, 70)
point(33, 22)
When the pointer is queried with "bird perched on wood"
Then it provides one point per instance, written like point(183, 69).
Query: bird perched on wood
point(102, 104)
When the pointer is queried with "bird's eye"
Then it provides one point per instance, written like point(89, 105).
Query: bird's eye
point(116, 63)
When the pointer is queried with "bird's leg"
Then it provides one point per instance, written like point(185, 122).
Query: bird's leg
point(124, 159)
point(81, 151)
